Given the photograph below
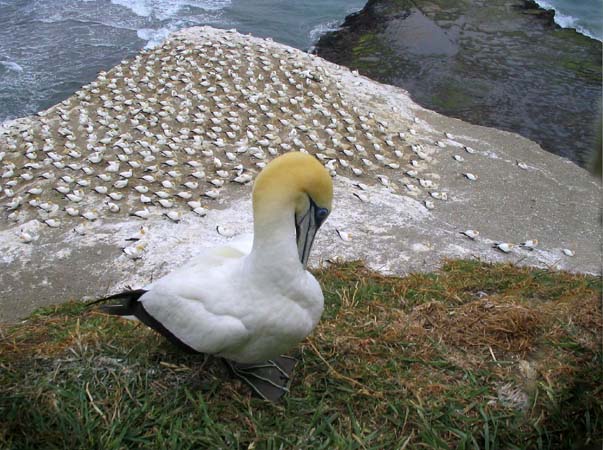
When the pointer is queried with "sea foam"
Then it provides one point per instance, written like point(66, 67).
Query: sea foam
point(584, 25)
point(11, 65)
point(152, 36)
point(168, 9)
point(323, 28)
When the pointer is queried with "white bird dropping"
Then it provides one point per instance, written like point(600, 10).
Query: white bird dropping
point(225, 231)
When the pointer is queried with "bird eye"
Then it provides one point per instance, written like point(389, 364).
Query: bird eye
point(322, 213)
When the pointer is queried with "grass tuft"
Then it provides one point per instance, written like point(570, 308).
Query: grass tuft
point(475, 355)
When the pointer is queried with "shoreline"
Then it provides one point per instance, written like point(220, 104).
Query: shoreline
point(580, 30)
point(440, 56)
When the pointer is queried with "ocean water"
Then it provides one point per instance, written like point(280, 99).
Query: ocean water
point(586, 16)
point(50, 48)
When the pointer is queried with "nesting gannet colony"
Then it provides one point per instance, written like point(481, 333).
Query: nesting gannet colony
point(155, 158)
point(172, 127)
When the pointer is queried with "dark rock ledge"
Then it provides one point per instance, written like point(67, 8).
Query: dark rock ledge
point(498, 63)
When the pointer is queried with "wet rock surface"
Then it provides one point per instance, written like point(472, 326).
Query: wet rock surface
point(501, 63)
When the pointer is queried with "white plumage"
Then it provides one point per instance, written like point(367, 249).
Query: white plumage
point(250, 302)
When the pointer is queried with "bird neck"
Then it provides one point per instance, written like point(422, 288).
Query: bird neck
point(274, 248)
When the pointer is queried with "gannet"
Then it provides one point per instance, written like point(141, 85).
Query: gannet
point(471, 234)
point(248, 306)
point(530, 244)
point(504, 247)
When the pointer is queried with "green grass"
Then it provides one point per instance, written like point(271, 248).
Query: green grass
point(472, 356)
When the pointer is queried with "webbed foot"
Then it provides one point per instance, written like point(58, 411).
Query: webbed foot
point(270, 380)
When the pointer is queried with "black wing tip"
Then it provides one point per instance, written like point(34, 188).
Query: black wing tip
point(114, 310)
point(128, 297)
point(130, 306)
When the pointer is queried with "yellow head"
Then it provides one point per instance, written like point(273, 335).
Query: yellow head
point(293, 178)
point(294, 183)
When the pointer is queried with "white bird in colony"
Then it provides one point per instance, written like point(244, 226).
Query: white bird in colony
point(52, 223)
point(504, 247)
point(134, 251)
point(471, 234)
point(530, 244)
point(522, 165)
point(200, 211)
point(81, 229)
point(344, 235)
point(26, 237)
point(174, 216)
point(113, 207)
point(248, 302)
point(73, 212)
point(143, 213)
point(90, 215)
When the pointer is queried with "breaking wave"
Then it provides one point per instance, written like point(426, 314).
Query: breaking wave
point(168, 9)
point(585, 17)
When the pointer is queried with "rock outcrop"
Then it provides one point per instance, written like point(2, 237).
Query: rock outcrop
point(499, 63)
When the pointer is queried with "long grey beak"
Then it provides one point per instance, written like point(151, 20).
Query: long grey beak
point(306, 227)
